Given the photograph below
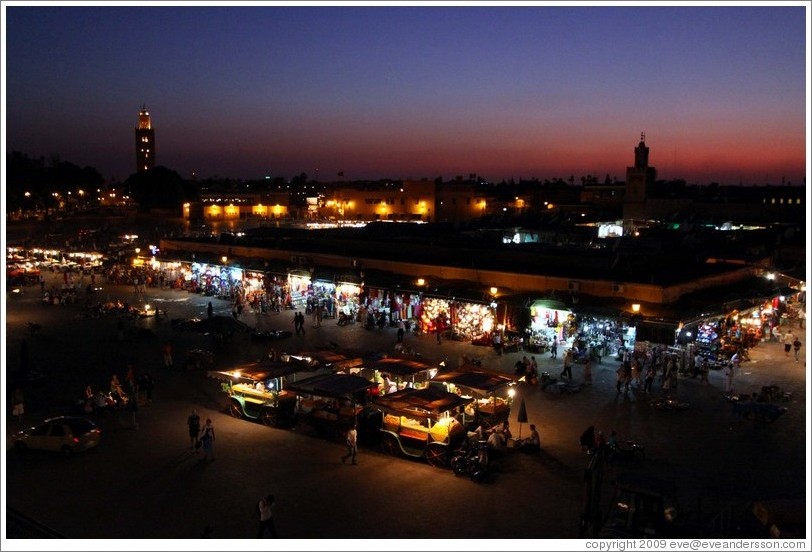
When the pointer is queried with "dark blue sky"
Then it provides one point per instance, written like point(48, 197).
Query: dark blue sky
point(412, 92)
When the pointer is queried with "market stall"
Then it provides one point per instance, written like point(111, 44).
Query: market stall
point(401, 372)
point(257, 391)
point(331, 403)
point(492, 394)
point(422, 423)
point(550, 321)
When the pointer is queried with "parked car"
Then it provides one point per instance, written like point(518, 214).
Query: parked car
point(65, 434)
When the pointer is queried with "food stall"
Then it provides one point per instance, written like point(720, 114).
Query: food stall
point(492, 394)
point(422, 423)
point(257, 391)
point(403, 372)
point(332, 403)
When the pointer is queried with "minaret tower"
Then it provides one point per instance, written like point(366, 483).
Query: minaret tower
point(144, 142)
point(638, 179)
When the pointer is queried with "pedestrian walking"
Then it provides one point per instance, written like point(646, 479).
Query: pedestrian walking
point(588, 372)
point(18, 404)
point(351, 440)
point(649, 380)
point(207, 437)
point(554, 348)
point(193, 423)
point(796, 346)
point(210, 310)
point(621, 373)
point(705, 370)
point(730, 372)
point(788, 341)
point(401, 330)
point(567, 364)
point(167, 350)
point(266, 523)
point(497, 342)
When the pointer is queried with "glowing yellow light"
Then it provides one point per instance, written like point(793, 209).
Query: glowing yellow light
point(421, 282)
point(636, 307)
point(494, 290)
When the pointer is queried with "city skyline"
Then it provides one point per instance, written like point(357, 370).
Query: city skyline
point(521, 91)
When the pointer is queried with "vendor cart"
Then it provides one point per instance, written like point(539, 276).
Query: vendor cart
point(257, 391)
point(332, 403)
point(422, 423)
point(492, 394)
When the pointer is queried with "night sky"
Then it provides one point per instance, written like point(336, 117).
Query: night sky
point(517, 91)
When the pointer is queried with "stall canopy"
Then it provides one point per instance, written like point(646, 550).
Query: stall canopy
point(256, 371)
point(335, 385)
point(403, 367)
point(420, 403)
point(333, 358)
point(479, 381)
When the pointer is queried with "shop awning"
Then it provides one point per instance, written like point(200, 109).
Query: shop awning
point(381, 279)
point(348, 278)
point(460, 290)
point(428, 402)
point(337, 385)
point(324, 275)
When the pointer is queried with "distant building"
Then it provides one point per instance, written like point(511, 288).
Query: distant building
point(144, 142)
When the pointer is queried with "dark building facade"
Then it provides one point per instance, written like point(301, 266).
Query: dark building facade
point(144, 142)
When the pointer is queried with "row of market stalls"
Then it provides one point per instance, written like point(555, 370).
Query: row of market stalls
point(455, 309)
point(407, 406)
point(718, 323)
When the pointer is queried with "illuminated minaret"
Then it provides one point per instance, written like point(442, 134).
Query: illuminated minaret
point(144, 142)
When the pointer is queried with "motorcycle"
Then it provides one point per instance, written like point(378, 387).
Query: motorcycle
point(472, 460)
point(624, 450)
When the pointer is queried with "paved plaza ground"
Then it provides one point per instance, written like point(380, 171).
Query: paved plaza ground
point(146, 483)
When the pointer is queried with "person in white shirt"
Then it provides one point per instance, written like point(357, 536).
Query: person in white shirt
point(532, 443)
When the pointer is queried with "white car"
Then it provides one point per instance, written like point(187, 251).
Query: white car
point(65, 434)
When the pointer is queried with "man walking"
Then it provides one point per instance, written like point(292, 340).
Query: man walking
point(789, 339)
point(401, 330)
point(796, 346)
point(352, 446)
point(266, 524)
point(567, 364)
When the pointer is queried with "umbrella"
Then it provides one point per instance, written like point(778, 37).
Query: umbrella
point(522, 416)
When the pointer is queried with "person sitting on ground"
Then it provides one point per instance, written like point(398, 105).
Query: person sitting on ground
point(532, 443)
point(497, 440)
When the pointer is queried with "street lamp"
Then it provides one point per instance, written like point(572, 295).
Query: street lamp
point(636, 307)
